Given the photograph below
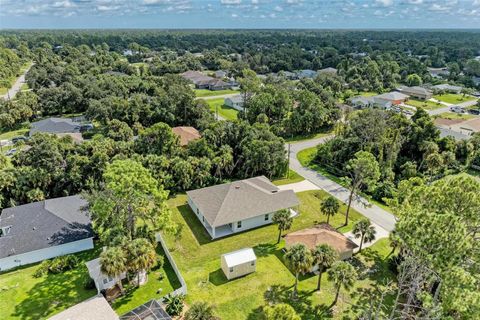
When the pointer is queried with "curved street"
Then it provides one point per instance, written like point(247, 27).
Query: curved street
point(380, 217)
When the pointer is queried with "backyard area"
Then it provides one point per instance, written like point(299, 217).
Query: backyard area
point(426, 104)
point(455, 116)
point(22, 296)
point(224, 111)
point(198, 258)
point(453, 98)
point(200, 93)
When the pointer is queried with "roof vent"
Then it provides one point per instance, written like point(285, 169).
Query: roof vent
point(274, 191)
point(237, 187)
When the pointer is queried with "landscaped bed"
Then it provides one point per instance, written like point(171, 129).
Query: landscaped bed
point(198, 258)
point(223, 110)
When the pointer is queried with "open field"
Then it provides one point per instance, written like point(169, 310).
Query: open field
point(209, 93)
point(224, 111)
point(428, 105)
point(453, 98)
point(199, 261)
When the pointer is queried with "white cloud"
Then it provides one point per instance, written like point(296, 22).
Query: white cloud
point(414, 1)
point(438, 7)
point(384, 3)
point(278, 9)
point(230, 1)
point(234, 15)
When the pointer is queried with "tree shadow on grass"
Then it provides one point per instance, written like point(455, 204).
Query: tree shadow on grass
point(56, 292)
point(265, 249)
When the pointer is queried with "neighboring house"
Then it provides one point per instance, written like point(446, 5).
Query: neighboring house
point(289, 75)
point(217, 84)
point(322, 234)
point(76, 136)
point(220, 74)
point(331, 71)
point(416, 92)
point(202, 81)
point(386, 100)
point(438, 72)
point(306, 74)
point(102, 281)
point(186, 134)
point(42, 230)
point(55, 125)
point(152, 310)
point(195, 76)
point(240, 205)
point(239, 263)
point(462, 127)
point(448, 88)
point(96, 308)
point(361, 102)
point(235, 102)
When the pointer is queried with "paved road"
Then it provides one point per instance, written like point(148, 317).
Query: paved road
point(376, 214)
point(17, 86)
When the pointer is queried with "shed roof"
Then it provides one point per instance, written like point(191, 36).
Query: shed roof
point(239, 257)
point(321, 234)
point(96, 308)
point(239, 200)
point(44, 224)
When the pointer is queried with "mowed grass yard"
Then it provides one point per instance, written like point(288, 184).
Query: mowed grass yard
point(454, 116)
point(200, 93)
point(198, 258)
point(290, 177)
point(224, 111)
point(22, 296)
point(453, 98)
point(425, 104)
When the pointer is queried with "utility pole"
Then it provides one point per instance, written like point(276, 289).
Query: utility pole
point(288, 162)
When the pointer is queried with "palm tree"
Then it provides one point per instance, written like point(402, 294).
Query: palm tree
point(394, 241)
point(113, 262)
point(364, 230)
point(283, 220)
point(200, 311)
point(323, 257)
point(299, 260)
point(142, 257)
point(329, 207)
point(174, 304)
point(342, 274)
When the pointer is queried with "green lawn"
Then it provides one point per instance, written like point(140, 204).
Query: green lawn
point(453, 98)
point(367, 93)
point(24, 297)
point(163, 280)
point(3, 90)
point(308, 137)
point(224, 111)
point(454, 116)
point(14, 133)
point(199, 261)
point(290, 177)
point(24, 87)
point(209, 93)
point(429, 105)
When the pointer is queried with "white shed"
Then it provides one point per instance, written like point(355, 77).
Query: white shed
point(102, 281)
point(239, 263)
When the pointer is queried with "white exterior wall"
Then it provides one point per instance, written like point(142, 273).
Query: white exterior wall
point(46, 253)
point(235, 105)
point(252, 223)
point(199, 215)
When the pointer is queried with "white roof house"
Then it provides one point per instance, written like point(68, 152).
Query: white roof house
point(239, 263)
point(102, 281)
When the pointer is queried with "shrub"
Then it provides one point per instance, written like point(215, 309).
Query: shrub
point(174, 304)
point(42, 269)
point(159, 263)
point(63, 263)
point(89, 284)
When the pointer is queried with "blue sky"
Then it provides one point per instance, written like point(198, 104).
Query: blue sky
point(308, 14)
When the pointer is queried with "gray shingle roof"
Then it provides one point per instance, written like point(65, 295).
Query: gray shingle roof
point(55, 125)
point(44, 224)
point(239, 200)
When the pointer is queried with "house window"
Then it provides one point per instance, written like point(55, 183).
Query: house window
point(110, 279)
point(105, 281)
point(239, 224)
point(266, 217)
point(203, 219)
point(198, 211)
point(5, 230)
point(252, 263)
point(231, 269)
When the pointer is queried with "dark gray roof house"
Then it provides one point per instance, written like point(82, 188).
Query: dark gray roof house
point(239, 205)
point(55, 125)
point(45, 229)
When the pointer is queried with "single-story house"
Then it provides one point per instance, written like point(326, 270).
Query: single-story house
point(438, 72)
point(322, 234)
point(329, 70)
point(152, 310)
point(239, 263)
point(288, 75)
point(448, 88)
point(55, 125)
point(42, 230)
point(96, 308)
point(416, 92)
point(306, 74)
point(362, 102)
point(220, 74)
point(394, 98)
point(235, 102)
point(234, 207)
point(217, 84)
point(102, 281)
point(195, 76)
point(186, 134)
point(76, 136)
